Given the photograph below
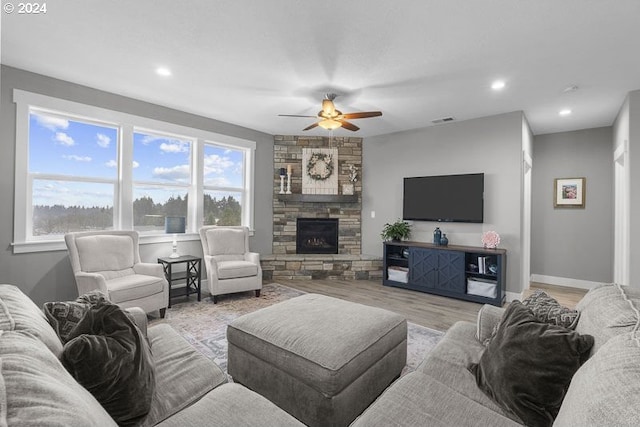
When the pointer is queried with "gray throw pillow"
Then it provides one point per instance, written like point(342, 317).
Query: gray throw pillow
point(548, 309)
point(110, 357)
point(64, 316)
point(528, 365)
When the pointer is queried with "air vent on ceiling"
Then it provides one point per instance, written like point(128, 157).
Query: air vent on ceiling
point(443, 120)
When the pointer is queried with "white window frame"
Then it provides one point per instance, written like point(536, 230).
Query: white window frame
point(188, 187)
point(245, 191)
point(123, 203)
point(67, 178)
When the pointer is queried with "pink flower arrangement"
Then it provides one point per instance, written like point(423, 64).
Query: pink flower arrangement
point(490, 239)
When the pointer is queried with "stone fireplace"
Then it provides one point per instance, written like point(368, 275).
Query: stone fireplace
point(344, 260)
point(317, 236)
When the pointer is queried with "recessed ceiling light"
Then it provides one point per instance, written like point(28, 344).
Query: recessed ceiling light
point(565, 112)
point(498, 85)
point(163, 71)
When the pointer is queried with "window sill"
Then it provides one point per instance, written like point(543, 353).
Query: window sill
point(59, 245)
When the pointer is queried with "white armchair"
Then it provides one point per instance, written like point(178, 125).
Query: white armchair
point(230, 266)
point(109, 261)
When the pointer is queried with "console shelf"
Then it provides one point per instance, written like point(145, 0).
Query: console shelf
point(465, 272)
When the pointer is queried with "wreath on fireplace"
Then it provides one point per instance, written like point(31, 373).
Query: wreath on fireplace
point(320, 166)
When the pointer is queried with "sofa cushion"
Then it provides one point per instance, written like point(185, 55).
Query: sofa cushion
point(105, 252)
point(548, 309)
point(489, 317)
point(235, 269)
point(417, 399)
point(19, 313)
point(110, 357)
point(608, 311)
point(183, 374)
point(606, 389)
point(36, 390)
point(528, 365)
point(232, 405)
point(448, 362)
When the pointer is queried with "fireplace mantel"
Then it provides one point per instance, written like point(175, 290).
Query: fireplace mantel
point(319, 198)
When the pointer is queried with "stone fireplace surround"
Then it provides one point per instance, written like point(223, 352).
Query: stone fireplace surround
point(348, 263)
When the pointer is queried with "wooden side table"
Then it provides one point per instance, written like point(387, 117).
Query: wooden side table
point(191, 275)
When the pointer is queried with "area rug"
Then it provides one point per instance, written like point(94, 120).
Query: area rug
point(204, 324)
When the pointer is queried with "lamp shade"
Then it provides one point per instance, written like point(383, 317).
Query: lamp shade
point(175, 224)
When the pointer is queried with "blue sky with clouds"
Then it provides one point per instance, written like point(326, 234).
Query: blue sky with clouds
point(67, 147)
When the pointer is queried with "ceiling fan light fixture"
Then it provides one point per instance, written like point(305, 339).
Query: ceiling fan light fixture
point(327, 107)
point(329, 124)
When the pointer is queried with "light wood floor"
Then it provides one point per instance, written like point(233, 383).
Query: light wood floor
point(432, 311)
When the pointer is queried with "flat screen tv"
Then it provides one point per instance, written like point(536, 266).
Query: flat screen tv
point(444, 198)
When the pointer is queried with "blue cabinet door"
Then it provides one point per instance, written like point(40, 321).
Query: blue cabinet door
point(424, 267)
point(451, 275)
point(439, 269)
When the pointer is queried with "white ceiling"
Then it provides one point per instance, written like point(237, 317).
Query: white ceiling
point(244, 62)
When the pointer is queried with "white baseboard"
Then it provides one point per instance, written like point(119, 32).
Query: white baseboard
point(512, 296)
point(565, 281)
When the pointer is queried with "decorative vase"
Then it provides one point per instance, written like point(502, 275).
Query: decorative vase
point(443, 240)
point(405, 253)
point(437, 234)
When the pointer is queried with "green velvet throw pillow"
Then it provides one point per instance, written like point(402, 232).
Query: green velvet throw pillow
point(110, 357)
point(528, 365)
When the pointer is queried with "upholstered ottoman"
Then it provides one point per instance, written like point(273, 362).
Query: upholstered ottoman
point(321, 359)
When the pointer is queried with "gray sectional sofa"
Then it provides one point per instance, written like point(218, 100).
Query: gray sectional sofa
point(604, 392)
point(36, 389)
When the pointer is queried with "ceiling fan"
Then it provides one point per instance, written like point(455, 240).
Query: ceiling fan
point(332, 118)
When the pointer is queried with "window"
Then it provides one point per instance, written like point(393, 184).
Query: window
point(161, 180)
point(80, 167)
point(224, 189)
point(72, 175)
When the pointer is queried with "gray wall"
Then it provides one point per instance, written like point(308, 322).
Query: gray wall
point(47, 276)
point(573, 243)
point(492, 145)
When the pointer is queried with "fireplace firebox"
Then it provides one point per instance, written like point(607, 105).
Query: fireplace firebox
point(317, 236)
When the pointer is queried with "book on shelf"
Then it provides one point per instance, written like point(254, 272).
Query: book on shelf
point(487, 265)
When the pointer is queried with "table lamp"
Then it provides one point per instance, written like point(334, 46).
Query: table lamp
point(174, 225)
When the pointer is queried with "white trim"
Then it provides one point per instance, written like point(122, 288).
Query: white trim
point(123, 192)
point(621, 150)
point(565, 281)
point(528, 161)
point(59, 245)
point(89, 112)
point(513, 296)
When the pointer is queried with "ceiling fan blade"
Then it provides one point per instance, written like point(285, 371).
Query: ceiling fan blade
point(294, 115)
point(310, 126)
point(363, 115)
point(349, 126)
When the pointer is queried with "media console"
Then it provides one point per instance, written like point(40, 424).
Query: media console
point(464, 272)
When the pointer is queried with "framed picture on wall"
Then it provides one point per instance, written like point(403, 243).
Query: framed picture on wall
point(569, 192)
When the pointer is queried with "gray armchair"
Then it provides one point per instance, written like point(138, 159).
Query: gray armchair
point(231, 267)
point(109, 261)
